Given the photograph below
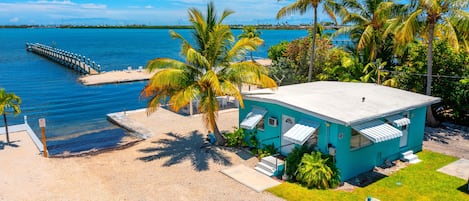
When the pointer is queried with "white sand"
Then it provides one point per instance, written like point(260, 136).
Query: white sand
point(179, 169)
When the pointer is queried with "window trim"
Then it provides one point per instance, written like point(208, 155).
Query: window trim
point(360, 137)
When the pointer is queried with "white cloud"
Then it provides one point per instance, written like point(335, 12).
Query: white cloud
point(93, 6)
point(15, 19)
point(149, 6)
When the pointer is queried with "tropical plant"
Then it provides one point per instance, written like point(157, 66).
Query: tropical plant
point(433, 19)
point(294, 158)
point(266, 150)
point(210, 69)
point(236, 138)
point(451, 86)
point(250, 32)
point(302, 6)
point(277, 51)
point(314, 172)
point(368, 22)
point(8, 102)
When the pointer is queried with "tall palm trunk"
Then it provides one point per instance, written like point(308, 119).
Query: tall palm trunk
point(313, 45)
point(220, 139)
point(430, 118)
point(6, 128)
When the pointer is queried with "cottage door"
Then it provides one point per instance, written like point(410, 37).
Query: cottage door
point(405, 135)
point(286, 146)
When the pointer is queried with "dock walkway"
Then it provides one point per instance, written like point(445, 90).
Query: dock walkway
point(76, 62)
point(112, 77)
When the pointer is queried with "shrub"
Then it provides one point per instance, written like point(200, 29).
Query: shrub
point(294, 158)
point(315, 171)
point(266, 150)
point(236, 138)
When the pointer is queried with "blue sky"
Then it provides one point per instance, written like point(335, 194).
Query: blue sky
point(149, 12)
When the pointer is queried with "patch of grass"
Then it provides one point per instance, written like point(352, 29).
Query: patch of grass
point(417, 182)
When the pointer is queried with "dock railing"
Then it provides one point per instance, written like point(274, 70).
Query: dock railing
point(76, 62)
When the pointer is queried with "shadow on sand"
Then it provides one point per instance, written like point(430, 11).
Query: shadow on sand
point(12, 144)
point(180, 148)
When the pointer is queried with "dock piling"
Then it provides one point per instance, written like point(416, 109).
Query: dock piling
point(77, 62)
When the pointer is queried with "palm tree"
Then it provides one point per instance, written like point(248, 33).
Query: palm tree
point(250, 32)
point(8, 101)
point(302, 6)
point(209, 70)
point(450, 21)
point(368, 21)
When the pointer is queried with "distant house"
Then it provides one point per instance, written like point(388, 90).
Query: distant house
point(361, 124)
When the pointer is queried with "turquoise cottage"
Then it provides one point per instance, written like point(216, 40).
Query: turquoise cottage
point(361, 124)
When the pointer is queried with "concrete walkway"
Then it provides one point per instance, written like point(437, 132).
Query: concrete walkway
point(459, 168)
point(250, 177)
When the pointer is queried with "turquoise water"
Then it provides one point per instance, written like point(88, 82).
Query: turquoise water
point(76, 114)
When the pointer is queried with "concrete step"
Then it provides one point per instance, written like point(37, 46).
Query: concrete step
point(410, 152)
point(268, 173)
point(416, 160)
point(410, 157)
point(272, 161)
point(266, 167)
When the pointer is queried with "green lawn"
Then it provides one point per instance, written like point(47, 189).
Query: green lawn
point(418, 182)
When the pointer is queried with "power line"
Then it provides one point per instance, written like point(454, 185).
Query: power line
point(425, 75)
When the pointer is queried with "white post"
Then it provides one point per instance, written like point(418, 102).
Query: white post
point(190, 108)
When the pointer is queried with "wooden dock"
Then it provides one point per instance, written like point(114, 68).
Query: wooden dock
point(76, 62)
point(114, 77)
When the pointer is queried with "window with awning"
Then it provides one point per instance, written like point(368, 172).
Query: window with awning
point(378, 131)
point(398, 120)
point(253, 118)
point(301, 131)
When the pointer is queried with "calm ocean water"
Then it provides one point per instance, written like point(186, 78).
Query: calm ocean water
point(76, 114)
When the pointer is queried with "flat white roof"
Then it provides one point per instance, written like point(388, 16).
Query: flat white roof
point(342, 102)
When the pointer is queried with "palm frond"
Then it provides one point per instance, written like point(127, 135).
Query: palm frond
point(406, 32)
point(300, 6)
point(183, 97)
point(197, 59)
point(450, 33)
point(242, 46)
point(162, 63)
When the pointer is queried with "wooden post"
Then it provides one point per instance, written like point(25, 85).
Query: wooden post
point(44, 141)
point(42, 124)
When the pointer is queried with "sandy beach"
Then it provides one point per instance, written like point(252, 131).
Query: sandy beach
point(168, 166)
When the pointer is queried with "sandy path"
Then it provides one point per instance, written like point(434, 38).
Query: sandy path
point(164, 167)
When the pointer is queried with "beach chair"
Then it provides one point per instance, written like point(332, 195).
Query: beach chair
point(129, 69)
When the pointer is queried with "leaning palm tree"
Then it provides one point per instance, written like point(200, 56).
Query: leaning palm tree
point(302, 6)
point(210, 69)
point(8, 101)
point(250, 32)
point(431, 18)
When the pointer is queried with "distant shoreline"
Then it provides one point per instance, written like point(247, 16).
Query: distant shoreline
point(268, 27)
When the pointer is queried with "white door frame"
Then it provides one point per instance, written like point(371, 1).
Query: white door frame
point(405, 133)
point(285, 127)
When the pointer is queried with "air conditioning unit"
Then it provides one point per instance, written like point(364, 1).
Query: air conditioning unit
point(273, 121)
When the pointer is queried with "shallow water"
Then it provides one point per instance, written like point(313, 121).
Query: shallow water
point(76, 114)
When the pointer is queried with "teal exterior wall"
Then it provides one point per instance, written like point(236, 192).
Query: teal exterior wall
point(273, 134)
point(351, 162)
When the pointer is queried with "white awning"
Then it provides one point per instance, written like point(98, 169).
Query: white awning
point(301, 131)
point(398, 120)
point(253, 117)
point(378, 131)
